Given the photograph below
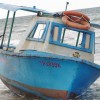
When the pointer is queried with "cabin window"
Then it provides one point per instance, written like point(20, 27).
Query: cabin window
point(39, 31)
point(69, 37)
point(87, 44)
point(55, 35)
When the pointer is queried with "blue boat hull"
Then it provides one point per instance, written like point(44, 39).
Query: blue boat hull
point(47, 75)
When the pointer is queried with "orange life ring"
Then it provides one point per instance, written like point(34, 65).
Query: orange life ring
point(76, 20)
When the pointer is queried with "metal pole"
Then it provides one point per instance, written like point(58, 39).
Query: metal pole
point(77, 39)
point(11, 29)
point(5, 28)
point(66, 6)
point(64, 29)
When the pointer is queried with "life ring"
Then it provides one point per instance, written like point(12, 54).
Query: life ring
point(76, 20)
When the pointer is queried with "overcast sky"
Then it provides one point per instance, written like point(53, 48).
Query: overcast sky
point(55, 5)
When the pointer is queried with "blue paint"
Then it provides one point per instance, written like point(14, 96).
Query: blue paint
point(31, 53)
point(70, 76)
point(60, 26)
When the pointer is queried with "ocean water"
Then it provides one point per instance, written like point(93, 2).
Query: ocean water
point(93, 93)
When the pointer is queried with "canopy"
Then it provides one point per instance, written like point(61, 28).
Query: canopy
point(15, 8)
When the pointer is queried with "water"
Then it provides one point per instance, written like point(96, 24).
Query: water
point(93, 93)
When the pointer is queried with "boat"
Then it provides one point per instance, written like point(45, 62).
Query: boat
point(52, 60)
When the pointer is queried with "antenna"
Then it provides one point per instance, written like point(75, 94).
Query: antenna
point(66, 6)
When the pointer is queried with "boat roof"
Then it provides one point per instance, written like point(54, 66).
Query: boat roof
point(33, 9)
point(15, 8)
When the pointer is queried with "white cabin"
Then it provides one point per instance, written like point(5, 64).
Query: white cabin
point(50, 35)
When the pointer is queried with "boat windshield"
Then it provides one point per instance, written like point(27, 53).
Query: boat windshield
point(71, 38)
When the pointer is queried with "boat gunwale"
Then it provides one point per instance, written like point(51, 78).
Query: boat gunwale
point(49, 55)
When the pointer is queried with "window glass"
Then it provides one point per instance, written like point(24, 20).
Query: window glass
point(71, 37)
point(55, 34)
point(39, 31)
point(87, 44)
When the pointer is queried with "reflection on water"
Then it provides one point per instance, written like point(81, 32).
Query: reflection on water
point(93, 93)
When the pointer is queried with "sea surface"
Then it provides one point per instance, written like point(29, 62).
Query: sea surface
point(22, 23)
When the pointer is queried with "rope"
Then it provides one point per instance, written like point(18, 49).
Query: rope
point(85, 18)
point(79, 18)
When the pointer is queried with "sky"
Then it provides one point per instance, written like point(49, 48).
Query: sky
point(50, 5)
point(55, 5)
